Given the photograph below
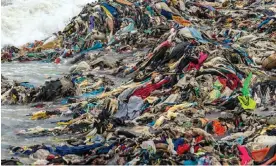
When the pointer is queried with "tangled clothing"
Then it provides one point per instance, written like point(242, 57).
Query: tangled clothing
point(144, 92)
point(177, 52)
point(167, 14)
point(160, 51)
point(201, 59)
point(244, 155)
point(130, 110)
point(50, 91)
point(232, 81)
point(64, 150)
point(80, 23)
point(164, 6)
point(163, 44)
point(91, 23)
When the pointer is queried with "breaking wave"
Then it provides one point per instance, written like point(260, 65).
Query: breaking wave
point(28, 20)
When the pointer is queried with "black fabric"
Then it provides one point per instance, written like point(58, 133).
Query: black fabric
point(271, 132)
point(177, 52)
point(159, 55)
point(50, 91)
point(126, 133)
point(12, 161)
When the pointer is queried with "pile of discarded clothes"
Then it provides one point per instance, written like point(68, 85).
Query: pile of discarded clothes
point(199, 85)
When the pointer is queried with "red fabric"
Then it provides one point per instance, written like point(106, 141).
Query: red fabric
point(201, 59)
point(181, 149)
point(50, 157)
point(144, 92)
point(57, 61)
point(196, 148)
point(123, 147)
point(232, 81)
point(165, 44)
point(199, 138)
point(223, 81)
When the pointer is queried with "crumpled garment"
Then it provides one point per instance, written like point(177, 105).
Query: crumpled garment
point(244, 155)
point(149, 145)
point(247, 102)
point(201, 59)
point(64, 150)
point(82, 66)
point(197, 35)
point(145, 91)
point(130, 110)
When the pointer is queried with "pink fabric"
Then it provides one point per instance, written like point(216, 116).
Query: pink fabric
point(245, 158)
point(201, 59)
point(144, 92)
point(164, 44)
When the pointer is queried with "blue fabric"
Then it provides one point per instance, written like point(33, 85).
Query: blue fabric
point(197, 35)
point(226, 41)
point(93, 93)
point(240, 140)
point(111, 9)
point(167, 14)
point(189, 162)
point(27, 85)
point(96, 46)
point(50, 149)
point(64, 150)
point(85, 95)
point(150, 10)
point(263, 23)
point(151, 123)
point(177, 142)
point(105, 149)
point(245, 55)
point(79, 80)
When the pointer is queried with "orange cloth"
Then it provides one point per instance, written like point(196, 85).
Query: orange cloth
point(218, 128)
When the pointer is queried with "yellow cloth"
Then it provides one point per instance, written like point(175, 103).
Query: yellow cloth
point(107, 12)
point(267, 128)
point(39, 115)
point(84, 83)
point(171, 114)
point(151, 99)
point(51, 45)
point(65, 123)
point(247, 103)
point(118, 90)
point(159, 121)
point(180, 106)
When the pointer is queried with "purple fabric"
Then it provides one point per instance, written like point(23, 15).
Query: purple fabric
point(92, 24)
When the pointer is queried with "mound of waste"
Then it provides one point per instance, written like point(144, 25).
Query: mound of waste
point(153, 82)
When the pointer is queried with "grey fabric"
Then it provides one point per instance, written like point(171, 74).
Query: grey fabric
point(172, 98)
point(130, 110)
point(66, 84)
point(41, 154)
point(126, 93)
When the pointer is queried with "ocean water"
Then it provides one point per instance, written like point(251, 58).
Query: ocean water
point(25, 21)
point(13, 117)
point(28, 20)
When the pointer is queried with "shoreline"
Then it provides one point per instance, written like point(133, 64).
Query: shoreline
point(160, 83)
